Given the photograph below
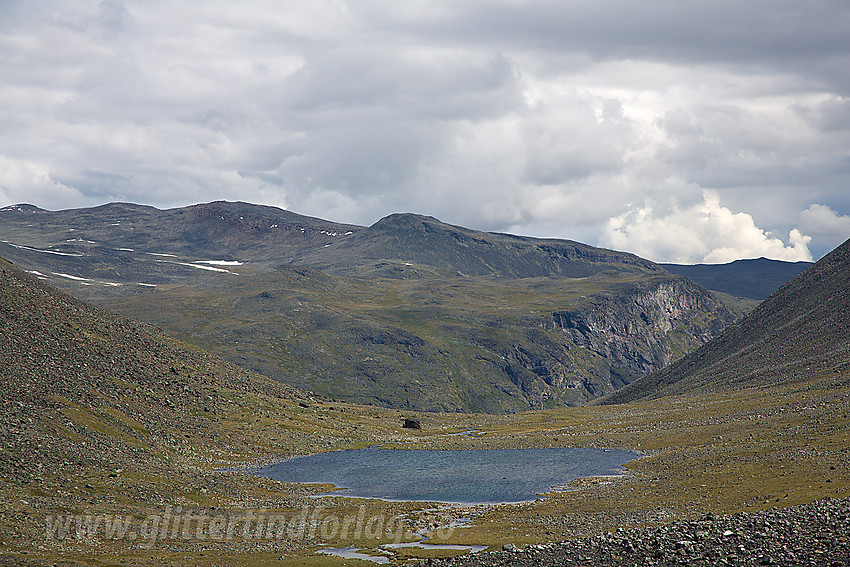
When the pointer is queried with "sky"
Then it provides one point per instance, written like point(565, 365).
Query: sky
point(698, 131)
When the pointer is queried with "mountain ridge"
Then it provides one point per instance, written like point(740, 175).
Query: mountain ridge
point(752, 278)
point(398, 245)
point(411, 239)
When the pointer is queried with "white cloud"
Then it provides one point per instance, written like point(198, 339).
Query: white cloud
point(704, 233)
point(829, 227)
point(27, 182)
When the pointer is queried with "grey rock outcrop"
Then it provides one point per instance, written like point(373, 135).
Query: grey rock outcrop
point(645, 329)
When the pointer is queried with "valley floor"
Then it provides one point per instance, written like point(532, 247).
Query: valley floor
point(751, 451)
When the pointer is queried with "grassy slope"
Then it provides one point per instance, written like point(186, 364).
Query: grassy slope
point(424, 338)
point(434, 344)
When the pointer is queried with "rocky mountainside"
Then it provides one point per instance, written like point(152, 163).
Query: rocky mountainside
point(751, 279)
point(83, 387)
point(647, 326)
point(799, 333)
point(408, 313)
point(440, 344)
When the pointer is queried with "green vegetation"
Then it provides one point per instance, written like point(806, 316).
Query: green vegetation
point(449, 344)
point(135, 446)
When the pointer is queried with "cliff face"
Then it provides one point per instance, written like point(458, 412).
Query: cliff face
point(643, 329)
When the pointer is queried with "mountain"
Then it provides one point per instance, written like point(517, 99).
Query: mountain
point(98, 409)
point(440, 344)
point(800, 332)
point(108, 426)
point(212, 230)
point(120, 442)
point(751, 279)
point(410, 312)
point(400, 245)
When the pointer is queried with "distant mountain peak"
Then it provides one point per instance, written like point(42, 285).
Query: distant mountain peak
point(410, 220)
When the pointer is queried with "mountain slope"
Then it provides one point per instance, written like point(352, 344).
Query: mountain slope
point(800, 332)
point(408, 313)
point(474, 344)
point(71, 372)
point(208, 230)
point(751, 279)
point(104, 418)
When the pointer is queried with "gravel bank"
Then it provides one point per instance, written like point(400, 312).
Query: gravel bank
point(810, 534)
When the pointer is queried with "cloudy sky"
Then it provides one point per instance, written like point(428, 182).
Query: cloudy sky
point(698, 131)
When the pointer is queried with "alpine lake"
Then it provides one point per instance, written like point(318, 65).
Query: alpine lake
point(473, 476)
point(455, 477)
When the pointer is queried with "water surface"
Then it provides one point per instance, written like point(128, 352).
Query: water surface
point(464, 476)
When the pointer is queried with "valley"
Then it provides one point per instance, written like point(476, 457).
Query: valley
point(106, 418)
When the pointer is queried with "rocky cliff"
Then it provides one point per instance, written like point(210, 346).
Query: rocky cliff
point(608, 339)
point(647, 327)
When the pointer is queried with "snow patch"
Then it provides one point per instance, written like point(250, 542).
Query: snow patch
point(22, 247)
point(85, 281)
point(14, 208)
point(200, 267)
point(220, 262)
point(164, 255)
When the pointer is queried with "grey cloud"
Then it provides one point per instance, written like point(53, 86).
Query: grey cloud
point(544, 117)
point(698, 31)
